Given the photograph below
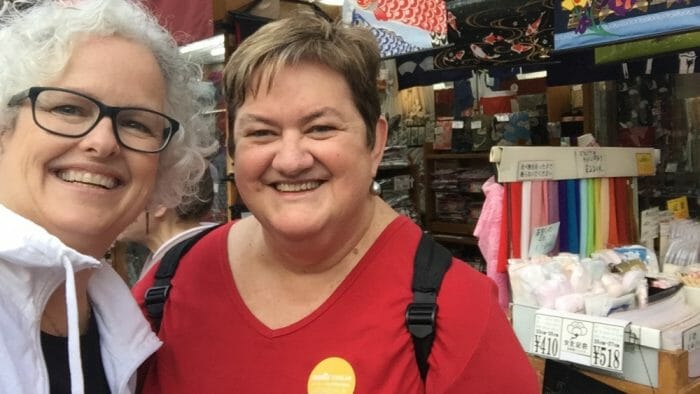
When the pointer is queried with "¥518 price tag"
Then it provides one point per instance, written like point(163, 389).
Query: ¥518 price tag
point(608, 346)
point(546, 338)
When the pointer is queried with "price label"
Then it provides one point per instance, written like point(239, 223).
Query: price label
point(546, 336)
point(607, 358)
point(476, 124)
point(691, 338)
point(457, 124)
point(607, 346)
point(582, 339)
point(590, 164)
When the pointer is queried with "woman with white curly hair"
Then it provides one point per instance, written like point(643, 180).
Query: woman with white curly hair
point(99, 119)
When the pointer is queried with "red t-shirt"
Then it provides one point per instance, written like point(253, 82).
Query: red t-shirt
point(213, 344)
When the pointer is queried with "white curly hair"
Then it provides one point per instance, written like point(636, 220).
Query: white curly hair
point(36, 41)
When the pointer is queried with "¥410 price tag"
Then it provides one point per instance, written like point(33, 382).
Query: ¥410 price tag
point(546, 338)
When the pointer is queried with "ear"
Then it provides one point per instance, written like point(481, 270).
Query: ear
point(381, 135)
point(159, 211)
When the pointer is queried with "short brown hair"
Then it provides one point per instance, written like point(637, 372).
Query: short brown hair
point(351, 51)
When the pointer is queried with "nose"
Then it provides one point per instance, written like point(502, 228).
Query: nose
point(293, 156)
point(101, 140)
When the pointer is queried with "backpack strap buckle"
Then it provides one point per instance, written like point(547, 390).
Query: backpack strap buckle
point(155, 298)
point(420, 319)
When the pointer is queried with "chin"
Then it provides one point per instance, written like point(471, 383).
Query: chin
point(88, 238)
point(296, 229)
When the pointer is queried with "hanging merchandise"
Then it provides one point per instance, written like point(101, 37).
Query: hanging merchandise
point(488, 230)
point(487, 33)
point(597, 22)
point(400, 26)
point(585, 192)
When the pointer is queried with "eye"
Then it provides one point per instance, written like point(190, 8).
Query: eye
point(322, 129)
point(68, 110)
point(259, 133)
point(135, 127)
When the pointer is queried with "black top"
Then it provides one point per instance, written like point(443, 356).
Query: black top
point(56, 357)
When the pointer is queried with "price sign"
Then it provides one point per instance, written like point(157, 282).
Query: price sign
point(608, 346)
point(590, 164)
point(546, 337)
point(582, 339)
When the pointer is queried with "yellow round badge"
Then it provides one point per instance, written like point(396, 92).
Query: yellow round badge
point(332, 376)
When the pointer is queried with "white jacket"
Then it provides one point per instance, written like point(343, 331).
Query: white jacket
point(33, 263)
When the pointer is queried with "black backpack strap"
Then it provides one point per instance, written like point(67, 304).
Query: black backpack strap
point(430, 265)
point(157, 294)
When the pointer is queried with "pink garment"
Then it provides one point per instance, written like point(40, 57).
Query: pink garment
point(538, 205)
point(488, 230)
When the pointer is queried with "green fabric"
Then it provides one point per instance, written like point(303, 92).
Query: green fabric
point(590, 225)
point(646, 48)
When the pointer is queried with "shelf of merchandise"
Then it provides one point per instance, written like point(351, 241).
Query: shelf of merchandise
point(448, 232)
point(525, 163)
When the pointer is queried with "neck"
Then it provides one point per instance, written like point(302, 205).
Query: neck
point(54, 320)
point(330, 249)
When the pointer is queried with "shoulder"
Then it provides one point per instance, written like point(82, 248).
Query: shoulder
point(215, 237)
point(466, 295)
point(211, 244)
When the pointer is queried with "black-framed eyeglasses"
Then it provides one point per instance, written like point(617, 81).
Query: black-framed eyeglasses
point(71, 114)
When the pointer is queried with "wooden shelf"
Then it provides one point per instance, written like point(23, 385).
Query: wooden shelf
point(448, 232)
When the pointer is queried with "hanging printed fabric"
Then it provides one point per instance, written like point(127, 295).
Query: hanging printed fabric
point(585, 23)
point(494, 32)
point(400, 26)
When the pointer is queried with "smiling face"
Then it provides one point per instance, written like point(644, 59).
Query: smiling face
point(302, 163)
point(85, 190)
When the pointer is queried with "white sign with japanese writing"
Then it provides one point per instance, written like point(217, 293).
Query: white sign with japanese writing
point(543, 240)
point(590, 164)
point(582, 339)
point(649, 224)
point(576, 341)
point(530, 170)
